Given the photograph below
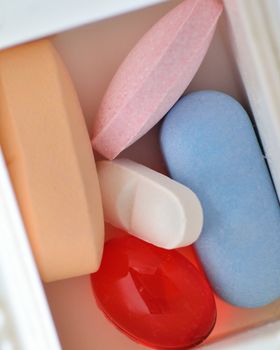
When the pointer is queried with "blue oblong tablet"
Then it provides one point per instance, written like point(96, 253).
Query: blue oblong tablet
point(210, 146)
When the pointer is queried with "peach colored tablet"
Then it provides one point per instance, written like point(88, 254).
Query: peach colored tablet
point(154, 75)
point(50, 160)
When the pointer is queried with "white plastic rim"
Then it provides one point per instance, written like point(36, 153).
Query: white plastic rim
point(260, 338)
point(22, 21)
point(25, 319)
point(255, 27)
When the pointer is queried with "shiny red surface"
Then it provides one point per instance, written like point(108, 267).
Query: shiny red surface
point(155, 296)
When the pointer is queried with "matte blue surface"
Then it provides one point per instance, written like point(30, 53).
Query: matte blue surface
point(210, 146)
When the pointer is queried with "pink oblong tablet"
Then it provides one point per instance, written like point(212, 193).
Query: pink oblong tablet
point(154, 75)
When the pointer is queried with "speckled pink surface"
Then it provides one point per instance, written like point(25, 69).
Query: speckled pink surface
point(154, 75)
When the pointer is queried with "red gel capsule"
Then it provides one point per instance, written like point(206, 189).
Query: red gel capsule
point(155, 296)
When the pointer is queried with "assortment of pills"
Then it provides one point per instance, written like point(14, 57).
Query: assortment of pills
point(210, 147)
point(219, 195)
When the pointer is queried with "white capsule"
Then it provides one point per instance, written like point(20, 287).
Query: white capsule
point(149, 205)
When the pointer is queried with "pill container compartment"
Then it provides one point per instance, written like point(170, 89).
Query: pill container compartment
point(92, 53)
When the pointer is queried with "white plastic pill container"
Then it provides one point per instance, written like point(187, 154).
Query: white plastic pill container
point(93, 37)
